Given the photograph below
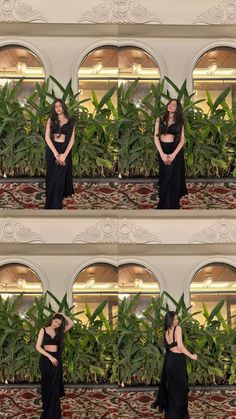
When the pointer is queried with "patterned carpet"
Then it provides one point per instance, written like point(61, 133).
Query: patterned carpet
point(108, 404)
point(117, 195)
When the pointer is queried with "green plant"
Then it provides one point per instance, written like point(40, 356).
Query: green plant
point(141, 345)
point(22, 145)
point(210, 137)
point(89, 350)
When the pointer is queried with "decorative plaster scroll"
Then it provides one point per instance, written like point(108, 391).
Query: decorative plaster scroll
point(119, 12)
point(18, 11)
point(223, 13)
point(13, 232)
point(219, 232)
point(111, 231)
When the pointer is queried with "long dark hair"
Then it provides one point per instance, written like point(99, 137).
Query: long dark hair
point(169, 319)
point(54, 117)
point(178, 117)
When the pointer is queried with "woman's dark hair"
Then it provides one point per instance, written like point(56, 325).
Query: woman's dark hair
point(178, 117)
point(169, 319)
point(54, 117)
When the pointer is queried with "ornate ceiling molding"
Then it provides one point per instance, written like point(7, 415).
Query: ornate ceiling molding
point(223, 13)
point(13, 232)
point(220, 232)
point(110, 231)
point(119, 12)
point(18, 11)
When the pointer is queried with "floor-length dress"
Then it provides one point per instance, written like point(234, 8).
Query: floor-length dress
point(172, 185)
point(52, 386)
point(173, 391)
point(59, 182)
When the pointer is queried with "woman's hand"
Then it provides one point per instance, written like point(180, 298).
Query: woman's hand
point(170, 158)
point(61, 159)
point(164, 158)
point(194, 357)
point(53, 360)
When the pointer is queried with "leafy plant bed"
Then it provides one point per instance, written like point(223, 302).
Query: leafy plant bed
point(115, 139)
point(100, 353)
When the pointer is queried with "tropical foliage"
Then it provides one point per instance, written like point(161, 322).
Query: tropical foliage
point(22, 145)
point(132, 353)
point(210, 137)
point(89, 350)
point(141, 343)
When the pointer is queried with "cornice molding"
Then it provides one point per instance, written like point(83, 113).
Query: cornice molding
point(14, 232)
point(223, 13)
point(220, 232)
point(120, 12)
point(19, 11)
point(110, 231)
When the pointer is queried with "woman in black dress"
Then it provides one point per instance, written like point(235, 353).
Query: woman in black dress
point(49, 344)
point(173, 391)
point(59, 136)
point(169, 141)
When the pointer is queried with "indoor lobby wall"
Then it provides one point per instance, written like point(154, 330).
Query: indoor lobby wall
point(176, 57)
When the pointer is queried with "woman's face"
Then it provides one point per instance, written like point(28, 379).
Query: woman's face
point(172, 106)
point(58, 108)
point(175, 321)
point(56, 323)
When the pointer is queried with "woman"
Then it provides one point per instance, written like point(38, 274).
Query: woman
point(49, 344)
point(169, 141)
point(59, 136)
point(173, 392)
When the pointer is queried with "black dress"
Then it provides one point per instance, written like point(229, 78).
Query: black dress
point(173, 391)
point(59, 183)
point(172, 185)
point(51, 380)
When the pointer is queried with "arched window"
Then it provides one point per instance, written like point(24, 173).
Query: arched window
point(99, 72)
point(214, 71)
point(16, 278)
point(101, 69)
point(93, 285)
point(211, 284)
point(137, 64)
point(134, 279)
point(18, 62)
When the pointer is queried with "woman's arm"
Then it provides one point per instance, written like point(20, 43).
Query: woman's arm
point(157, 141)
point(181, 346)
point(62, 157)
point(42, 351)
point(69, 322)
point(179, 146)
point(49, 141)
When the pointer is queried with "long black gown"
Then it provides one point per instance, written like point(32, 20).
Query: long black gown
point(51, 380)
point(173, 391)
point(172, 185)
point(59, 182)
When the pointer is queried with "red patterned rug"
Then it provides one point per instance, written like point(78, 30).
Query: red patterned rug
point(117, 195)
point(110, 404)
point(202, 405)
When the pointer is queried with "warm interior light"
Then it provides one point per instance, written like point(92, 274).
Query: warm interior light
point(122, 296)
point(220, 285)
point(207, 282)
point(21, 67)
point(5, 296)
point(212, 68)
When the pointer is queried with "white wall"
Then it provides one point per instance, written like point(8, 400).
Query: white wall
point(176, 44)
point(173, 245)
